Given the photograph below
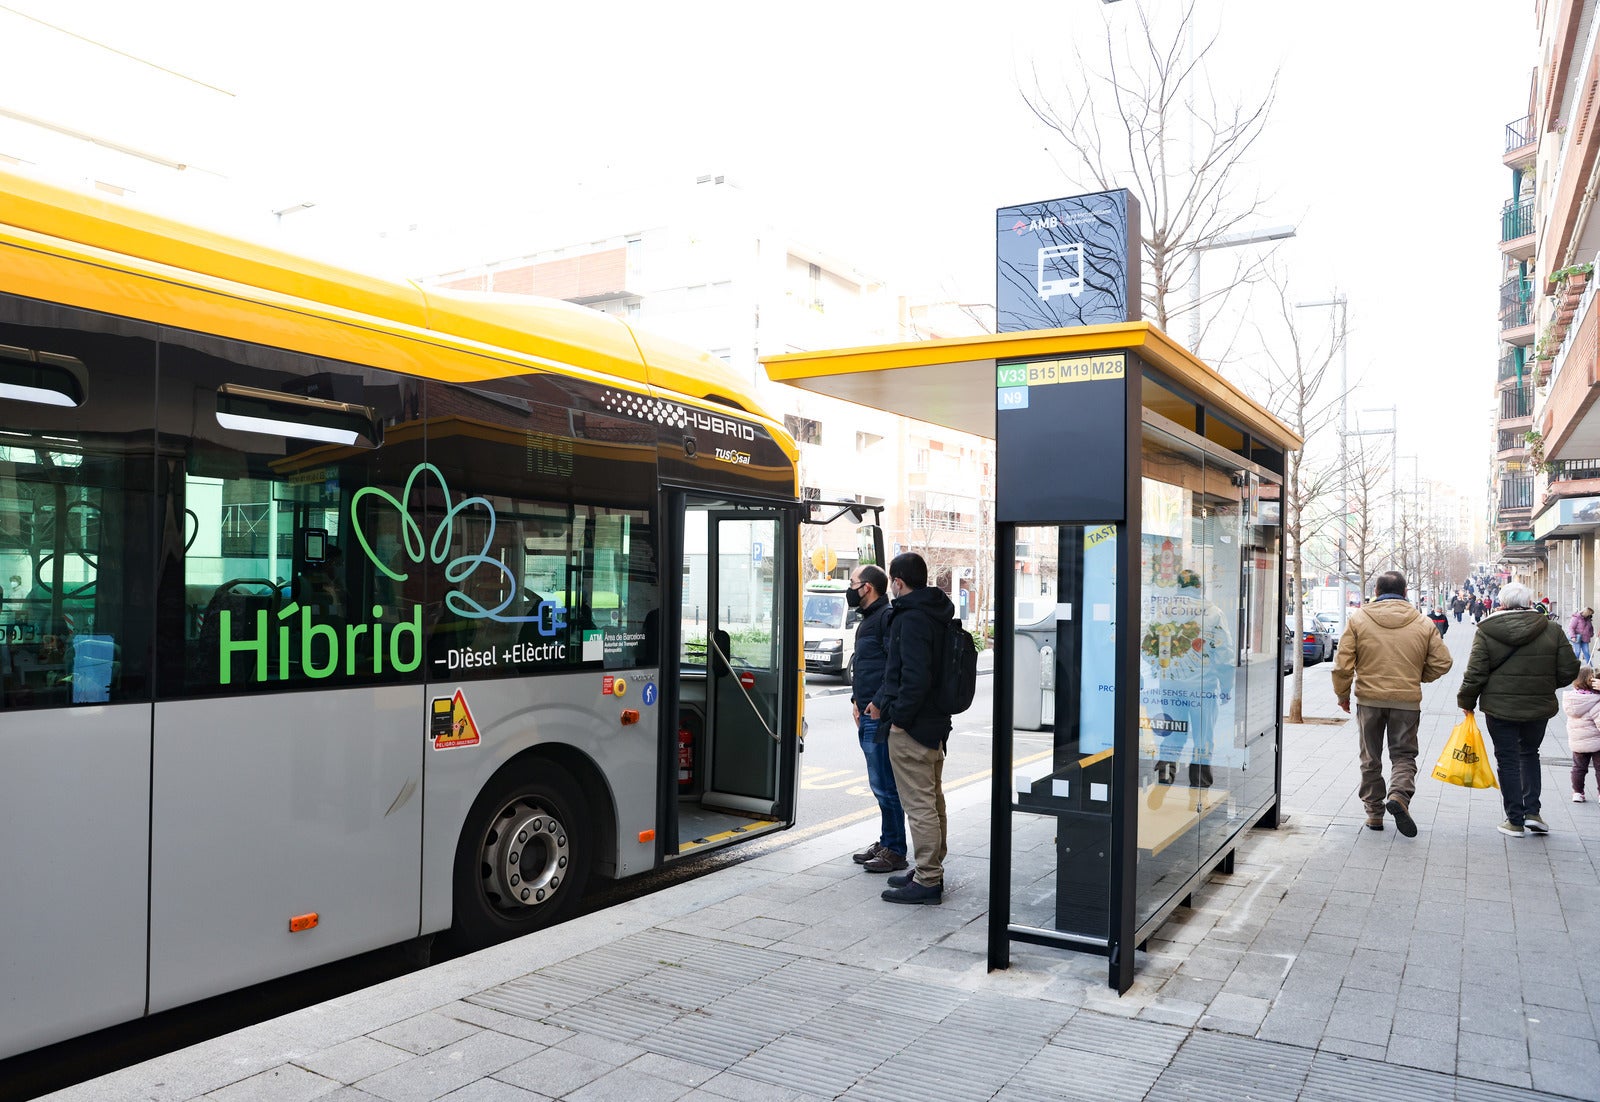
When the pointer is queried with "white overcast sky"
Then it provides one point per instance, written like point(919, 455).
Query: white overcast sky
point(885, 133)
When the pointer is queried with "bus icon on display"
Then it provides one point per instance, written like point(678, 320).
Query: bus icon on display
point(1061, 270)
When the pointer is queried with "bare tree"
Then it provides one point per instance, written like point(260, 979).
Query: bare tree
point(1367, 492)
point(1291, 377)
point(1144, 117)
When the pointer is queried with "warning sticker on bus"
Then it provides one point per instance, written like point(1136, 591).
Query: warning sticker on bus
point(452, 724)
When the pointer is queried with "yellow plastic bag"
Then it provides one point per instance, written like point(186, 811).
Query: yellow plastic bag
point(1465, 761)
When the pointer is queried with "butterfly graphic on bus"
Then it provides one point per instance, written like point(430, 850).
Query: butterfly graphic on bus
point(548, 617)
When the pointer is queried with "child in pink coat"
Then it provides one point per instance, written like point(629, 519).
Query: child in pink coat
point(1582, 706)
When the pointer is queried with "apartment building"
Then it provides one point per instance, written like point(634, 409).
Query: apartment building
point(707, 266)
point(1547, 459)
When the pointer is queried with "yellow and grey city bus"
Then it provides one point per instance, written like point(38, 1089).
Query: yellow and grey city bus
point(338, 612)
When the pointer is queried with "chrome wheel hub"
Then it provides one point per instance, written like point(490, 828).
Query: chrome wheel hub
point(524, 856)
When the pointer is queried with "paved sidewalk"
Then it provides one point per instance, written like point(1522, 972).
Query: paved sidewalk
point(1334, 963)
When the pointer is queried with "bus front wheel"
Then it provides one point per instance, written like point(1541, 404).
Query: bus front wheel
point(523, 859)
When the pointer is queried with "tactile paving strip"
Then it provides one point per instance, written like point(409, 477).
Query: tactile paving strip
point(951, 1066)
point(1072, 1075)
point(811, 1067)
point(536, 996)
point(605, 968)
point(683, 986)
point(1335, 1078)
point(908, 998)
point(1213, 1067)
point(856, 1026)
point(817, 976)
point(781, 1010)
point(741, 962)
point(1038, 1020)
point(1477, 1090)
point(663, 945)
point(1147, 1042)
point(712, 1041)
point(615, 1016)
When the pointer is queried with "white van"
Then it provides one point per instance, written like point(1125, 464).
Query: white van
point(830, 625)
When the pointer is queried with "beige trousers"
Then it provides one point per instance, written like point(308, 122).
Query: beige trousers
point(919, 775)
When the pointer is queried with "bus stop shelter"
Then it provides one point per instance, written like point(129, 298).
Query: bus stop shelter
point(1139, 613)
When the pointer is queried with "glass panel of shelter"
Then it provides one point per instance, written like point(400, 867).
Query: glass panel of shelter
point(1064, 699)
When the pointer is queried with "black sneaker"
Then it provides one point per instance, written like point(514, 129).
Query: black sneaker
point(1403, 822)
point(915, 893)
point(867, 854)
point(887, 860)
point(900, 880)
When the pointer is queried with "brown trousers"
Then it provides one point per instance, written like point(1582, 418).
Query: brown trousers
point(1401, 725)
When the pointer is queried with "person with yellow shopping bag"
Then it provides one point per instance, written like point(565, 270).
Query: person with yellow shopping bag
point(1465, 761)
point(1387, 651)
point(1519, 659)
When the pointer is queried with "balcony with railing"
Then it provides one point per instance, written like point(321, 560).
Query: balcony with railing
point(1516, 494)
point(1573, 470)
point(1516, 404)
point(1510, 363)
point(1522, 140)
point(1566, 478)
point(1570, 417)
point(1516, 228)
point(1516, 311)
point(1509, 443)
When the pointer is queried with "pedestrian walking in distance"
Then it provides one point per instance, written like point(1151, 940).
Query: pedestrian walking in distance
point(1440, 620)
point(1388, 651)
point(918, 731)
point(868, 584)
point(1519, 659)
point(1580, 629)
point(1582, 706)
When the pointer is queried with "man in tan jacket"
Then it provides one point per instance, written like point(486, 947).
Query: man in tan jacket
point(1389, 650)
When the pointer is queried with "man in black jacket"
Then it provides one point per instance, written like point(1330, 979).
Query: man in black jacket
point(866, 592)
point(917, 729)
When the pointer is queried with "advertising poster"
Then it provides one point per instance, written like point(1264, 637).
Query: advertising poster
point(1097, 701)
point(1186, 647)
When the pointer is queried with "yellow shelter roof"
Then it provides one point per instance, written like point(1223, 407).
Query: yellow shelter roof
point(951, 382)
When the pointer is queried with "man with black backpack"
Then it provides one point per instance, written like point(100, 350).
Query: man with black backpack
point(908, 701)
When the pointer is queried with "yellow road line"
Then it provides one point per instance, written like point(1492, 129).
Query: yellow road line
point(869, 812)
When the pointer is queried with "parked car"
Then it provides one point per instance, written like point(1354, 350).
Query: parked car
point(1288, 649)
point(1333, 625)
point(1315, 644)
point(830, 630)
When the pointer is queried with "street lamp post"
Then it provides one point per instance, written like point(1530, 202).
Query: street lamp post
point(1224, 241)
point(1344, 394)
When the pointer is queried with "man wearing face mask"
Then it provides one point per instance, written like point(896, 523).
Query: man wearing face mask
point(917, 729)
point(867, 583)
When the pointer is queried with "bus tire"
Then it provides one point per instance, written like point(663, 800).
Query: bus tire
point(523, 859)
